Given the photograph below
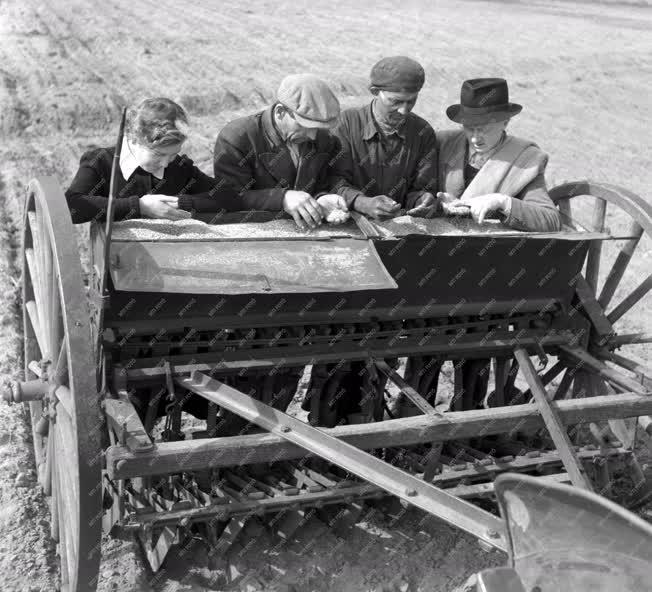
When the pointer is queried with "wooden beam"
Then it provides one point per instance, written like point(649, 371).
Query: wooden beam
point(411, 489)
point(553, 422)
point(123, 419)
point(634, 296)
point(602, 327)
point(487, 489)
point(405, 388)
point(620, 266)
point(595, 249)
point(639, 367)
point(630, 338)
point(173, 457)
point(586, 361)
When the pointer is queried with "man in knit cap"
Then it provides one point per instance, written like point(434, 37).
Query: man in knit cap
point(389, 155)
point(278, 159)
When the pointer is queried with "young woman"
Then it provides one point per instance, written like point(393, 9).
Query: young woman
point(155, 181)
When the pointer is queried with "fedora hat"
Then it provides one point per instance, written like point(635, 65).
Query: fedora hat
point(483, 100)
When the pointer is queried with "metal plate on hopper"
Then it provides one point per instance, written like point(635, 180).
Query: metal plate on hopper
point(248, 267)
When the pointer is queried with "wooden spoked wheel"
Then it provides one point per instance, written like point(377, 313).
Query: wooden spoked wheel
point(66, 423)
point(618, 280)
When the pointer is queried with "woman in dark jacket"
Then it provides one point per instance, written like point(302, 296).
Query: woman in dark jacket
point(155, 181)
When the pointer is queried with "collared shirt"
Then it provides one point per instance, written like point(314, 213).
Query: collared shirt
point(292, 147)
point(387, 130)
point(478, 159)
point(87, 195)
point(373, 163)
point(129, 163)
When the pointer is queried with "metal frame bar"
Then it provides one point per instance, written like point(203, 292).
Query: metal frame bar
point(553, 422)
point(582, 358)
point(265, 359)
point(406, 389)
point(433, 500)
point(173, 457)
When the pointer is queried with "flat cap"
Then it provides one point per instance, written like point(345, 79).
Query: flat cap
point(398, 74)
point(310, 99)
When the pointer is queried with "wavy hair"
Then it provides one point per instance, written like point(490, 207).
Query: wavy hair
point(157, 123)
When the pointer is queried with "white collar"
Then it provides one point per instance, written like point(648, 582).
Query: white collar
point(128, 162)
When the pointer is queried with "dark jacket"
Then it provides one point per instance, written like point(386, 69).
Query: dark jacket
point(366, 166)
point(251, 158)
point(88, 193)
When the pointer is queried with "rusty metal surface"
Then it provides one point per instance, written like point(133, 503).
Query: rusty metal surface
point(248, 267)
point(564, 538)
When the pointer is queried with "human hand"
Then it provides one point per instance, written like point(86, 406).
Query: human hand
point(305, 210)
point(482, 205)
point(427, 206)
point(379, 207)
point(446, 197)
point(334, 208)
point(155, 205)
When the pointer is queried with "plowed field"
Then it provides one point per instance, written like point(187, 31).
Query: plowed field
point(582, 70)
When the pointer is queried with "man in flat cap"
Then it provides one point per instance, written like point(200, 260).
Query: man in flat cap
point(278, 159)
point(389, 155)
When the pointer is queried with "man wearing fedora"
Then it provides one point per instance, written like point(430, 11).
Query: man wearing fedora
point(491, 173)
point(388, 159)
point(486, 170)
point(278, 159)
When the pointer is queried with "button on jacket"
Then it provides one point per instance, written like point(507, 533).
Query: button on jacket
point(88, 193)
point(251, 158)
point(402, 167)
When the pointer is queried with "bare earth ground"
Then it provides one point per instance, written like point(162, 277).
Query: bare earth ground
point(581, 69)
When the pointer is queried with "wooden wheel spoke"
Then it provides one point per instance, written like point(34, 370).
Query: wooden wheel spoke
point(59, 374)
point(54, 500)
point(631, 339)
point(64, 396)
point(54, 316)
point(44, 258)
point(34, 274)
point(628, 302)
point(639, 367)
point(564, 385)
point(37, 247)
point(32, 313)
point(566, 213)
point(68, 500)
point(46, 475)
point(595, 250)
point(620, 265)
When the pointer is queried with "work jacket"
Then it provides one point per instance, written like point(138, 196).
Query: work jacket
point(252, 158)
